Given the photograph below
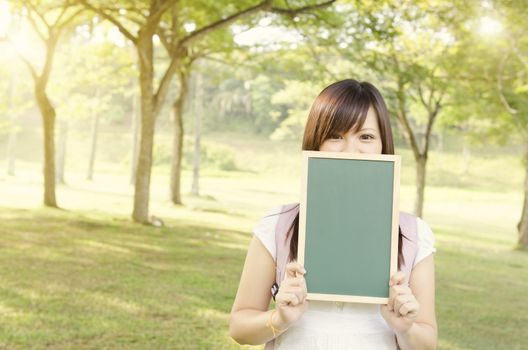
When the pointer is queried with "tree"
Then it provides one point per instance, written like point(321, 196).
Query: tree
point(49, 19)
point(89, 98)
point(493, 86)
point(144, 20)
point(187, 47)
point(511, 83)
point(408, 48)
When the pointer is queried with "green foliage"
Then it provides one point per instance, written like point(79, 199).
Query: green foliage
point(294, 101)
point(212, 155)
point(97, 77)
point(16, 96)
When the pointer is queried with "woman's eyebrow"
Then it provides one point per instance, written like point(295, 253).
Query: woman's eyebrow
point(368, 129)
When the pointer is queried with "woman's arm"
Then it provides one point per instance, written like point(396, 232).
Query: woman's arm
point(423, 332)
point(249, 315)
point(249, 323)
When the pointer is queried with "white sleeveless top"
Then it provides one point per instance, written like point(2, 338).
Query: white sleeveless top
point(338, 325)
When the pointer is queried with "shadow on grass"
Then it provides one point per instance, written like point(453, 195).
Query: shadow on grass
point(92, 281)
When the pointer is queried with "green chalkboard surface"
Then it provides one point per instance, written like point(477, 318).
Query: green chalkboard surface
point(348, 225)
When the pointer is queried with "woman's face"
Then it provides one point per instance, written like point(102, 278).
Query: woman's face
point(366, 140)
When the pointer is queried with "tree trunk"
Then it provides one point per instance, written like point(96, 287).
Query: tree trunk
point(146, 142)
point(135, 136)
point(61, 154)
point(177, 144)
point(523, 223)
point(94, 131)
point(421, 163)
point(48, 118)
point(198, 113)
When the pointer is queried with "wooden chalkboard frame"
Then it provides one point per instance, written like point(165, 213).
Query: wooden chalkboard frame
point(396, 159)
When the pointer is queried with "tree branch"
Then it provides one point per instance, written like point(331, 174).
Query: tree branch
point(265, 5)
point(51, 44)
point(63, 11)
point(111, 19)
point(164, 38)
point(430, 122)
point(315, 56)
point(502, 98)
point(35, 26)
point(420, 94)
point(197, 34)
point(402, 117)
point(31, 69)
point(158, 12)
point(29, 5)
point(518, 53)
point(165, 83)
point(294, 12)
point(69, 19)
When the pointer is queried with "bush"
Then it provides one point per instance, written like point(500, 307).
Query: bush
point(212, 155)
point(162, 154)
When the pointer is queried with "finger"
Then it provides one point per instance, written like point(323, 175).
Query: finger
point(289, 299)
point(390, 302)
point(409, 309)
point(397, 278)
point(296, 281)
point(298, 291)
point(394, 291)
point(293, 269)
point(401, 300)
point(400, 289)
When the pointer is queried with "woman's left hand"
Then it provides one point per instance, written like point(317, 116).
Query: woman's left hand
point(402, 308)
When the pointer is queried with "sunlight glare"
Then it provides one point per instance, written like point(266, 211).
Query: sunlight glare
point(489, 26)
point(5, 19)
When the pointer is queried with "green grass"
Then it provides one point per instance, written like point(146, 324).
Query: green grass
point(87, 278)
point(73, 281)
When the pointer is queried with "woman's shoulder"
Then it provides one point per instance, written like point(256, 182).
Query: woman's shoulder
point(426, 240)
point(264, 230)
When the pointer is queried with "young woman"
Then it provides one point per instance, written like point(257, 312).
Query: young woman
point(347, 116)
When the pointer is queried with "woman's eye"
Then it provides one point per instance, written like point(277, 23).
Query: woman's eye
point(336, 137)
point(367, 137)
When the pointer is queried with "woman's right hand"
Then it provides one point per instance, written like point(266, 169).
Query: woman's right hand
point(291, 300)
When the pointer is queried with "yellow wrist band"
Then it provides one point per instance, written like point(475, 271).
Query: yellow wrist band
point(270, 324)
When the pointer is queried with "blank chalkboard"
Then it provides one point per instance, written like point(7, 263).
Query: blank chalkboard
point(348, 225)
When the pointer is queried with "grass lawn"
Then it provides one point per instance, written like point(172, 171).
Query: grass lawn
point(79, 281)
point(85, 277)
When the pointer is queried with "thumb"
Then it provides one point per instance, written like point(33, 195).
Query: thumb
point(384, 309)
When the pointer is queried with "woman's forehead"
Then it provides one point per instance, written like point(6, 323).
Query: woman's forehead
point(370, 121)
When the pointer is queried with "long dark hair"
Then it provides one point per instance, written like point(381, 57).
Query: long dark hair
point(338, 108)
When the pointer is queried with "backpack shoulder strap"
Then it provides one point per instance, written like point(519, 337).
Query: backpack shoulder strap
point(282, 244)
point(282, 240)
point(409, 229)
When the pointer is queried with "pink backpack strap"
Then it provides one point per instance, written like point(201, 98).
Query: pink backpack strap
point(409, 229)
point(286, 217)
point(288, 214)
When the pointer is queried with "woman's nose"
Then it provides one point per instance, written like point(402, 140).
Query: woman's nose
point(351, 146)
